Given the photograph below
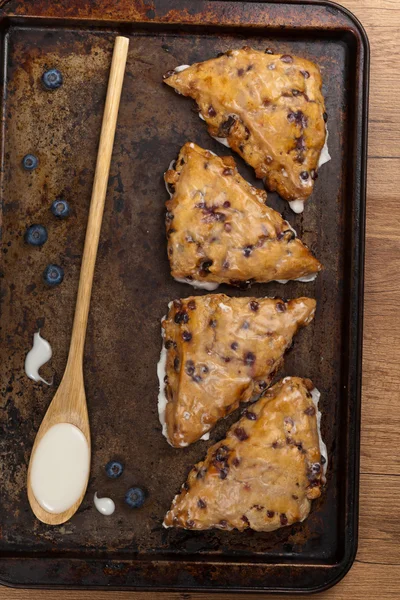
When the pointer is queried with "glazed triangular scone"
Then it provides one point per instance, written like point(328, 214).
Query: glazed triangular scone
point(218, 352)
point(267, 470)
point(268, 108)
point(219, 229)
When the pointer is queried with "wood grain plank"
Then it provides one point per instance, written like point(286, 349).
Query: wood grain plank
point(384, 91)
point(374, 13)
point(381, 369)
point(382, 139)
point(385, 83)
point(379, 526)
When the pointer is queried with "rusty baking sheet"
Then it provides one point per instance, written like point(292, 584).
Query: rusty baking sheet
point(132, 286)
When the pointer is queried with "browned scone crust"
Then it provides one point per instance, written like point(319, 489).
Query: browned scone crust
point(222, 351)
point(269, 107)
point(220, 230)
point(264, 474)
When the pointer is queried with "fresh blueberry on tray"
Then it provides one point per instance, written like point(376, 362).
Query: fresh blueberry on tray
point(135, 497)
point(60, 208)
point(36, 235)
point(114, 469)
point(52, 79)
point(53, 274)
point(30, 162)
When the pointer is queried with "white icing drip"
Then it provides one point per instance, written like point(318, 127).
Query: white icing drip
point(181, 68)
point(305, 279)
point(200, 285)
point(322, 446)
point(211, 285)
point(297, 206)
point(308, 278)
point(162, 398)
point(39, 355)
point(167, 184)
point(206, 436)
point(222, 140)
point(291, 228)
point(167, 188)
point(105, 506)
point(324, 157)
point(201, 117)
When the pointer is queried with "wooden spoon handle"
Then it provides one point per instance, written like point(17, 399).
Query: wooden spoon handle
point(98, 198)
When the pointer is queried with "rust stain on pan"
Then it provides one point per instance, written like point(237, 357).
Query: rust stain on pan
point(198, 12)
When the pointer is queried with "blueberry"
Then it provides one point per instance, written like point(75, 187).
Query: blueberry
point(52, 79)
point(135, 497)
point(53, 274)
point(60, 208)
point(36, 235)
point(114, 469)
point(30, 162)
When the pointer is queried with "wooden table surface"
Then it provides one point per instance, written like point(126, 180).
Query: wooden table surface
point(376, 571)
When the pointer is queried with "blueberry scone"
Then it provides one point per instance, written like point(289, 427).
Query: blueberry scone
point(267, 470)
point(269, 108)
point(218, 352)
point(220, 230)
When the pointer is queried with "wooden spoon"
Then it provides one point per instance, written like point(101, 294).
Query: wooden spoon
point(69, 403)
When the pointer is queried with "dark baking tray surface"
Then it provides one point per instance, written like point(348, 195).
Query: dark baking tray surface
point(133, 286)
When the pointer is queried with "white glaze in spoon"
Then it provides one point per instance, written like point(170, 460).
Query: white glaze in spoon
point(39, 355)
point(60, 467)
point(105, 506)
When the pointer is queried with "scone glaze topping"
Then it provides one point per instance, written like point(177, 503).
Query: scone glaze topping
point(270, 110)
point(220, 230)
point(221, 351)
point(264, 474)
